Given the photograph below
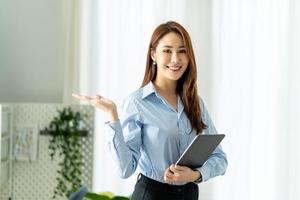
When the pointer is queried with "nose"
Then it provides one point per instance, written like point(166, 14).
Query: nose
point(174, 58)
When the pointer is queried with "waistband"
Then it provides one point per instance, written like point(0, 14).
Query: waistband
point(164, 187)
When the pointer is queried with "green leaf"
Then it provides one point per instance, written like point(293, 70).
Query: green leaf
point(94, 196)
point(120, 198)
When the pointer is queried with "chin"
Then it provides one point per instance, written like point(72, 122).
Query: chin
point(174, 78)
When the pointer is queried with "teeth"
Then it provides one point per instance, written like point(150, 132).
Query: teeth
point(174, 68)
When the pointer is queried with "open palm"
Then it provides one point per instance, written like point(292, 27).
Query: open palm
point(98, 101)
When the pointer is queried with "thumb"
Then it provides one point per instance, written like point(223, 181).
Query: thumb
point(98, 96)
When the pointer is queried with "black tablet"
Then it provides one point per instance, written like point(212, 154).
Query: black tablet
point(199, 150)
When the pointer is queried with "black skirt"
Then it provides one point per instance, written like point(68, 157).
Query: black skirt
point(149, 189)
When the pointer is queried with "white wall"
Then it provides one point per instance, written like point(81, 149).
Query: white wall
point(31, 51)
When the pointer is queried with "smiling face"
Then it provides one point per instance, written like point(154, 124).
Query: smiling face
point(171, 57)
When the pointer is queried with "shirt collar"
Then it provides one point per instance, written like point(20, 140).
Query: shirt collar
point(148, 89)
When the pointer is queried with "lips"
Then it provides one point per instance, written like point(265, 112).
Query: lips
point(174, 68)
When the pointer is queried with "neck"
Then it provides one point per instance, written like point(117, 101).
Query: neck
point(165, 87)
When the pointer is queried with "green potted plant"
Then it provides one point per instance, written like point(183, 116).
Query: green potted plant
point(64, 131)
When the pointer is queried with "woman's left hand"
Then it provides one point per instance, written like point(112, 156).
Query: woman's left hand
point(177, 173)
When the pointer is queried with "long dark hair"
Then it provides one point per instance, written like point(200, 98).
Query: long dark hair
point(187, 84)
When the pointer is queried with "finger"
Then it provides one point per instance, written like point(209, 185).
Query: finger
point(174, 169)
point(165, 176)
point(168, 178)
point(81, 97)
point(179, 167)
point(172, 177)
point(76, 95)
point(168, 173)
point(170, 169)
point(87, 98)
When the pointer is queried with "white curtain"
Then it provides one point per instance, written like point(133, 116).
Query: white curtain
point(71, 27)
point(256, 96)
point(78, 73)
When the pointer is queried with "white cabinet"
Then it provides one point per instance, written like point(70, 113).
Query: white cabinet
point(5, 151)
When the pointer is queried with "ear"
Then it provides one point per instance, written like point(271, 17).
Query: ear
point(153, 54)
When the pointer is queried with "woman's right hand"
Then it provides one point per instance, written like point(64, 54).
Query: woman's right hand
point(102, 103)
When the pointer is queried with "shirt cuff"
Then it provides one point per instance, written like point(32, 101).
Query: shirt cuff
point(205, 171)
point(112, 129)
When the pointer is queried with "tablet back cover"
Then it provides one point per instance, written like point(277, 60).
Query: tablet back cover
point(199, 150)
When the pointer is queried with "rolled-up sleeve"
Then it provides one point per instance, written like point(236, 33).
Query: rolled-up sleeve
point(217, 162)
point(124, 139)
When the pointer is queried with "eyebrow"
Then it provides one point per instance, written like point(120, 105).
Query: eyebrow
point(168, 46)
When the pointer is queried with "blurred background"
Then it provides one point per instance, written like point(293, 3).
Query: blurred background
point(248, 76)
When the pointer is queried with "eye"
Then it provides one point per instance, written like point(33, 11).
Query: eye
point(182, 51)
point(167, 51)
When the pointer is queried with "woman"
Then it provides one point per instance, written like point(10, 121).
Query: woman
point(160, 120)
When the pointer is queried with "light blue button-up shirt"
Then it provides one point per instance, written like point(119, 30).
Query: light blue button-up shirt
point(152, 135)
